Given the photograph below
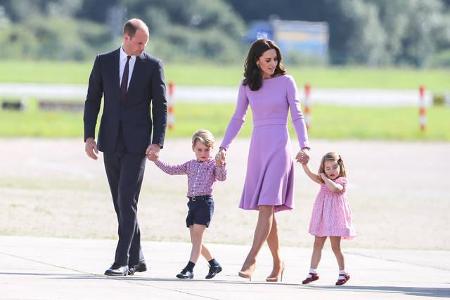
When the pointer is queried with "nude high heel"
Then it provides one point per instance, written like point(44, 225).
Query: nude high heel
point(278, 277)
point(247, 272)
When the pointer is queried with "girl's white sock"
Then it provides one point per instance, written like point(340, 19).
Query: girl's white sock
point(312, 271)
point(342, 274)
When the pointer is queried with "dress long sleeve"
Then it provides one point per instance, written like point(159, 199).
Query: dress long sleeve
point(238, 118)
point(297, 117)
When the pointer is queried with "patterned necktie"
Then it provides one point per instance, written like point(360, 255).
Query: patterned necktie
point(124, 83)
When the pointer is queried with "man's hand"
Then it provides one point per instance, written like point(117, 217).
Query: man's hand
point(90, 147)
point(152, 152)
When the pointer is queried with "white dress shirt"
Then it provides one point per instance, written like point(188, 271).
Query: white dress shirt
point(123, 61)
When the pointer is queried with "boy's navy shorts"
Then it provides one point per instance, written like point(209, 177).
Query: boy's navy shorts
point(201, 209)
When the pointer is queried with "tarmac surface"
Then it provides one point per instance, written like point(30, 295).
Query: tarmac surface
point(50, 268)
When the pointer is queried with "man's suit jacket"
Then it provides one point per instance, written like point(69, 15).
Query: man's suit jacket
point(132, 115)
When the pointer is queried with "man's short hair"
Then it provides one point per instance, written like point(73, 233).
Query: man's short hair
point(132, 25)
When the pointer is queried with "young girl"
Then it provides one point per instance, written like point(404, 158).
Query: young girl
point(331, 216)
point(201, 172)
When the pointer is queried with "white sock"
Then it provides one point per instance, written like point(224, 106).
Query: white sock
point(313, 271)
point(342, 274)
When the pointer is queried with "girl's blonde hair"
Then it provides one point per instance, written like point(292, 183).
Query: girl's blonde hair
point(333, 156)
point(203, 136)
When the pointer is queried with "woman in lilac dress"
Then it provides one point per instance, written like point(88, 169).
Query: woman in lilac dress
point(269, 180)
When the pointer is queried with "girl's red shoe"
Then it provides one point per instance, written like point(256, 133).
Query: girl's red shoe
point(343, 280)
point(311, 278)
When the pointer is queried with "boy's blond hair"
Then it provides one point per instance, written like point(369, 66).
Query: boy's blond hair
point(205, 137)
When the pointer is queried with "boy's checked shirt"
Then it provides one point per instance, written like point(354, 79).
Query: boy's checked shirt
point(201, 175)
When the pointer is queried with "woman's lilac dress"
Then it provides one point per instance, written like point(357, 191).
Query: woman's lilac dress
point(270, 175)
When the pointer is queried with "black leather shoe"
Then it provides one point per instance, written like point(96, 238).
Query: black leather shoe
point(213, 271)
point(185, 274)
point(116, 270)
point(140, 267)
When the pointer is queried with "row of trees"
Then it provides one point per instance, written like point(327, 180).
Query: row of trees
point(373, 32)
point(368, 32)
point(77, 29)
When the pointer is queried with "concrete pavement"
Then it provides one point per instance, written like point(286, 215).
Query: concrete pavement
point(50, 268)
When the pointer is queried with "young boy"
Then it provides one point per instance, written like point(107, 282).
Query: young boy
point(202, 172)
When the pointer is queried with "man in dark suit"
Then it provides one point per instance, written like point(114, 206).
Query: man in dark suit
point(132, 126)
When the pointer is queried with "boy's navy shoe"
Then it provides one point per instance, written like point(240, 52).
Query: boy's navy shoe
point(213, 271)
point(185, 274)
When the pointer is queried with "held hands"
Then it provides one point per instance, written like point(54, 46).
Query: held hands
point(303, 156)
point(220, 157)
point(323, 176)
point(152, 152)
point(90, 147)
